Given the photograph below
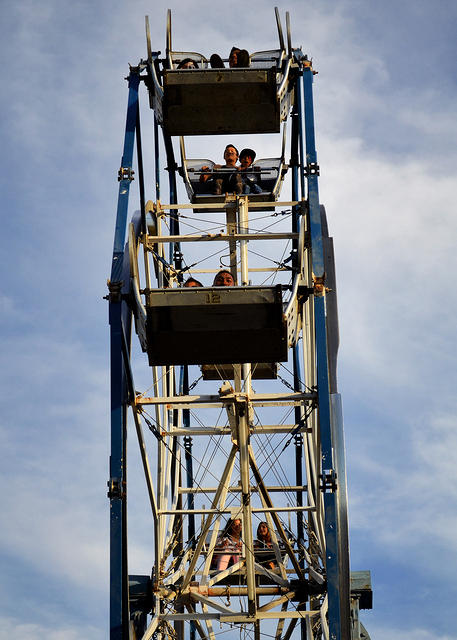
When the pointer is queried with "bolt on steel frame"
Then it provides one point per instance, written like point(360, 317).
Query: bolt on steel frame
point(236, 462)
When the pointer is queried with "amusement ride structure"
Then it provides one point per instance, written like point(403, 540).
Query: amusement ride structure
point(241, 429)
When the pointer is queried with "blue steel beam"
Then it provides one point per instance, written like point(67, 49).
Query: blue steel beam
point(323, 390)
point(119, 318)
point(125, 177)
point(139, 154)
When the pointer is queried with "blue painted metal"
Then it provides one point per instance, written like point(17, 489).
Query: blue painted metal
point(323, 382)
point(332, 566)
point(313, 191)
point(120, 324)
point(299, 99)
point(323, 389)
point(124, 183)
point(318, 271)
point(140, 170)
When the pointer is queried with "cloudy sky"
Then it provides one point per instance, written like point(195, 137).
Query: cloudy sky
point(385, 100)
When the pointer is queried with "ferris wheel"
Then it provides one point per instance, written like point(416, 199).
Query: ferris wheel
point(232, 297)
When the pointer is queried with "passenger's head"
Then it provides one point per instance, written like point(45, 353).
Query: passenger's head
point(263, 532)
point(237, 526)
point(247, 157)
point(187, 63)
point(223, 279)
point(191, 282)
point(233, 57)
point(231, 155)
point(233, 527)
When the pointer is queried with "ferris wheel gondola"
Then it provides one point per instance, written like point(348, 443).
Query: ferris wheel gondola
point(206, 101)
point(269, 174)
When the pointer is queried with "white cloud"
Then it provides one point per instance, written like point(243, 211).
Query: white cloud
point(15, 628)
point(409, 500)
point(55, 442)
point(393, 633)
point(393, 230)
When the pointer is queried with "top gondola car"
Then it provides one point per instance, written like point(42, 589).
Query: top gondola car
point(205, 101)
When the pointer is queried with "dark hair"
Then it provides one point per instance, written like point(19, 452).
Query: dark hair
point(223, 271)
point(189, 280)
point(233, 146)
point(267, 537)
point(248, 152)
point(185, 61)
point(233, 49)
point(228, 527)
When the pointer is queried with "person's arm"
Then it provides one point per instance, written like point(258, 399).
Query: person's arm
point(204, 176)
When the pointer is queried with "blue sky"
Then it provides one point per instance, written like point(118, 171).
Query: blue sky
point(385, 100)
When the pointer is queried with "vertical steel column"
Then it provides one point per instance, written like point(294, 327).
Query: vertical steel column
point(243, 227)
point(294, 163)
point(342, 514)
point(328, 471)
point(299, 101)
point(297, 180)
point(184, 390)
point(299, 160)
point(157, 157)
point(242, 417)
point(119, 610)
point(139, 155)
point(230, 213)
point(175, 256)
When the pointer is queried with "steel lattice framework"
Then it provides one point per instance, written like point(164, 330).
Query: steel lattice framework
point(243, 418)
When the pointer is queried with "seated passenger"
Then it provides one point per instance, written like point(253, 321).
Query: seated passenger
point(225, 178)
point(223, 279)
point(263, 543)
point(191, 282)
point(229, 542)
point(251, 178)
point(237, 58)
point(187, 63)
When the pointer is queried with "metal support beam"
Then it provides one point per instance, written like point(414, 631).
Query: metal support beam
point(323, 389)
point(120, 317)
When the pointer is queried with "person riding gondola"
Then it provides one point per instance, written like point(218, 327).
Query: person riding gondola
point(237, 58)
point(263, 547)
point(250, 177)
point(226, 178)
point(223, 279)
point(192, 282)
point(187, 63)
point(229, 544)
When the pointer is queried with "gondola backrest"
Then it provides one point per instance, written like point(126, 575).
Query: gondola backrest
point(179, 56)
